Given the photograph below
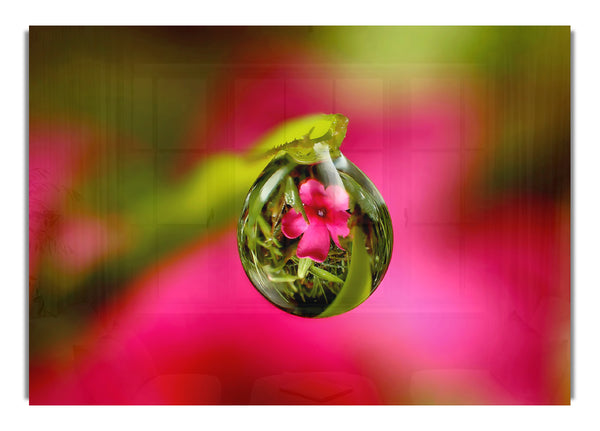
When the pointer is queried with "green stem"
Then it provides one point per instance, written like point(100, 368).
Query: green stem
point(325, 275)
point(319, 272)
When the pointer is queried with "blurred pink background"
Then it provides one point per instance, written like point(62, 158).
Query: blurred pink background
point(137, 177)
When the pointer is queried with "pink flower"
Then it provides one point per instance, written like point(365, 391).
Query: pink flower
point(327, 216)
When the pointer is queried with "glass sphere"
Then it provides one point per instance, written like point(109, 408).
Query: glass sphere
point(315, 236)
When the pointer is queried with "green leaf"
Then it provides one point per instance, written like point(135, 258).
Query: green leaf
point(264, 226)
point(363, 199)
point(325, 275)
point(259, 197)
point(282, 278)
point(319, 126)
point(292, 197)
point(357, 287)
point(319, 272)
point(303, 266)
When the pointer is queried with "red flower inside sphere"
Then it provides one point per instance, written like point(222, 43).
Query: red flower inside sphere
point(327, 218)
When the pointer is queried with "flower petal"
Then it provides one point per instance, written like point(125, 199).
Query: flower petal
point(293, 224)
point(314, 243)
point(337, 224)
point(312, 193)
point(338, 197)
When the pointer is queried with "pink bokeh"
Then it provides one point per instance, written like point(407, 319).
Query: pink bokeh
point(475, 307)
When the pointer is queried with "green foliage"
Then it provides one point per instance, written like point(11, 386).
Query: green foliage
point(357, 286)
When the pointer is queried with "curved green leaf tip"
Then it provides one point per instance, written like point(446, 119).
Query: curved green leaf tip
point(357, 287)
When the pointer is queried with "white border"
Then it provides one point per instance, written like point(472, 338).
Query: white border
point(583, 412)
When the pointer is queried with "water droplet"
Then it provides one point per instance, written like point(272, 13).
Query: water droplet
point(315, 236)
